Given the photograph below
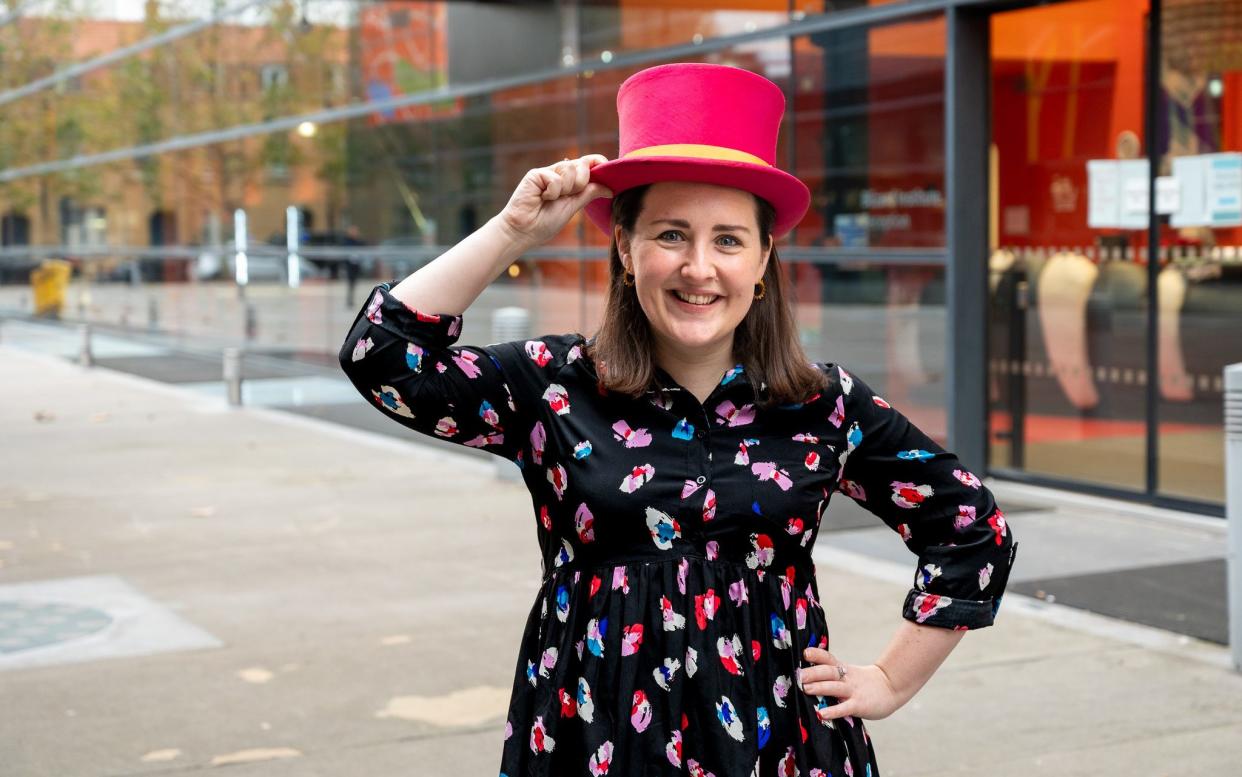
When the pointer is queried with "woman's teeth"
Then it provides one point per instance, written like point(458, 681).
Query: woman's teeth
point(695, 299)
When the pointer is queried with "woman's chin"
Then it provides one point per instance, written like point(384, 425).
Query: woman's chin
point(690, 336)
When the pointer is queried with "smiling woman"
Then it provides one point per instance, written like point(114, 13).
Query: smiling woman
point(669, 244)
point(681, 460)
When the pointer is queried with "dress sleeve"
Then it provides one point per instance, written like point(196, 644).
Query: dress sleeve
point(942, 511)
point(406, 363)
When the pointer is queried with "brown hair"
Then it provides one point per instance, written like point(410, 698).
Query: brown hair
point(766, 338)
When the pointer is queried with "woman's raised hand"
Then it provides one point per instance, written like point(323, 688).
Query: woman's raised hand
point(548, 197)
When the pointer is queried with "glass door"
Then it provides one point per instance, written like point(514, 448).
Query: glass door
point(1199, 308)
point(1109, 333)
point(1068, 338)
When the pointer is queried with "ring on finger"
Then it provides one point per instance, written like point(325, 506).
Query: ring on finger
point(841, 670)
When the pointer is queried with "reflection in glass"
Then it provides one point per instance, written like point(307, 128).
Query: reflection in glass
point(609, 27)
point(1200, 288)
point(1067, 362)
point(868, 112)
point(884, 322)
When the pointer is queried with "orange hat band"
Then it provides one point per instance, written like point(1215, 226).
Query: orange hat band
point(697, 151)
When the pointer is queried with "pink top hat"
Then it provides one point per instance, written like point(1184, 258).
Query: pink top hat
point(701, 123)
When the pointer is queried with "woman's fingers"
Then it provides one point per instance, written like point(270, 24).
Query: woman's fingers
point(826, 688)
point(824, 677)
point(822, 681)
point(564, 179)
point(569, 176)
point(582, 175)
point(839, 710)
point(551, 183)
point(810, 674)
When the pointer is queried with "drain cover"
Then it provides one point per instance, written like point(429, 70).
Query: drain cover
point(29, 625)
point(79, 619)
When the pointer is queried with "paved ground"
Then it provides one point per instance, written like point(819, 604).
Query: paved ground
point(254, 588)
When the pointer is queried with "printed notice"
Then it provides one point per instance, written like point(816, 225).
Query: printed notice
point(1118, 193)
point(1103, 194)
point(1191, 175)
point(1168, 195)
point(1135, 192)
point(1224, 189)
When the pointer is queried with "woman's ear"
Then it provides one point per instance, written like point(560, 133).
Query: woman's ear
point(767, 254)
point(623, 246)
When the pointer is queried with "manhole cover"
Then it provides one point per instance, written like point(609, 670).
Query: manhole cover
point(74, 619)
point(26, 625)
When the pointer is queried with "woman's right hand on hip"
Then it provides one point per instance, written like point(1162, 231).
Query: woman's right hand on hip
point(548, 197)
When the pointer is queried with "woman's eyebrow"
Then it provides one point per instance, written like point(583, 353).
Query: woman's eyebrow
point(718, 228)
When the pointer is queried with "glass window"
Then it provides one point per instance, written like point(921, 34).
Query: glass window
point(885, 322)
point(627, 25)
point(868, 124)
point(1199, 313)
point(1068, 366)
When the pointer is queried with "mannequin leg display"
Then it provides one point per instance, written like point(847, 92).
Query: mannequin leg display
point(1175, 384)
point(1064, 286)
point(999, 263)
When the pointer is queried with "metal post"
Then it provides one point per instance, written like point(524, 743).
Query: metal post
point(294, 262)
point(508, 324)
point(85, 357)
point(153, 314)
point(241, 262)
point(967, 135)
point(233, 375)
point(1233, 505)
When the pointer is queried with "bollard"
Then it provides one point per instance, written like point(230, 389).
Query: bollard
point(233, 376)
point(510, 323)
point(293, 263)
point(241, 262)
point(85, 357)
point(1233, 506)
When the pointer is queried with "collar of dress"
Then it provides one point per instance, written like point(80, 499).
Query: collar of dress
point(736, 376)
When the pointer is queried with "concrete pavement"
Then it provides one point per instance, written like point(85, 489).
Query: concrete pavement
point(284, 596)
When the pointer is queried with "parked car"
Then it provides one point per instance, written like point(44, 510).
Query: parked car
point(332, 264)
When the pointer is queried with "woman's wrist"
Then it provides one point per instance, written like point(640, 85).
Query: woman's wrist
point(515, 243)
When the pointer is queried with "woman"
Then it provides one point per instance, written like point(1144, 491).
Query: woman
point(679, 462)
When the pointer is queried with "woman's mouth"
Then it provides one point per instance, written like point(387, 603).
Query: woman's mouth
point(697, 300)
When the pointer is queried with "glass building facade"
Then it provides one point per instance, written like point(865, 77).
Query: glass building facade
point(983, 243)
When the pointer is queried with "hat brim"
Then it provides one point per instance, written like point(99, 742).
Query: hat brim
point(787, 195)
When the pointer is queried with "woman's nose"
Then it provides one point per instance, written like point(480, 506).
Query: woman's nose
point(699, 263)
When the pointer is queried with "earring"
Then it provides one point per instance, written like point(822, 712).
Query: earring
point(627, 279)
point(761, 289)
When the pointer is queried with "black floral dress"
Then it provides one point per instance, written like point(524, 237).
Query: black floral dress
point(678, 589)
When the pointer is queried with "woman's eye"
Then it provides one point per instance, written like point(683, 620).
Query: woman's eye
point(673, 235)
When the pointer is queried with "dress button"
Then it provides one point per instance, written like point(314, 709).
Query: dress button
point(700, 480)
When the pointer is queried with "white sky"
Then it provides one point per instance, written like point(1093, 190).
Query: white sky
point(318, 11)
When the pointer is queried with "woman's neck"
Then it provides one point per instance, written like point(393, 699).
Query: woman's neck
point(698, 370)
